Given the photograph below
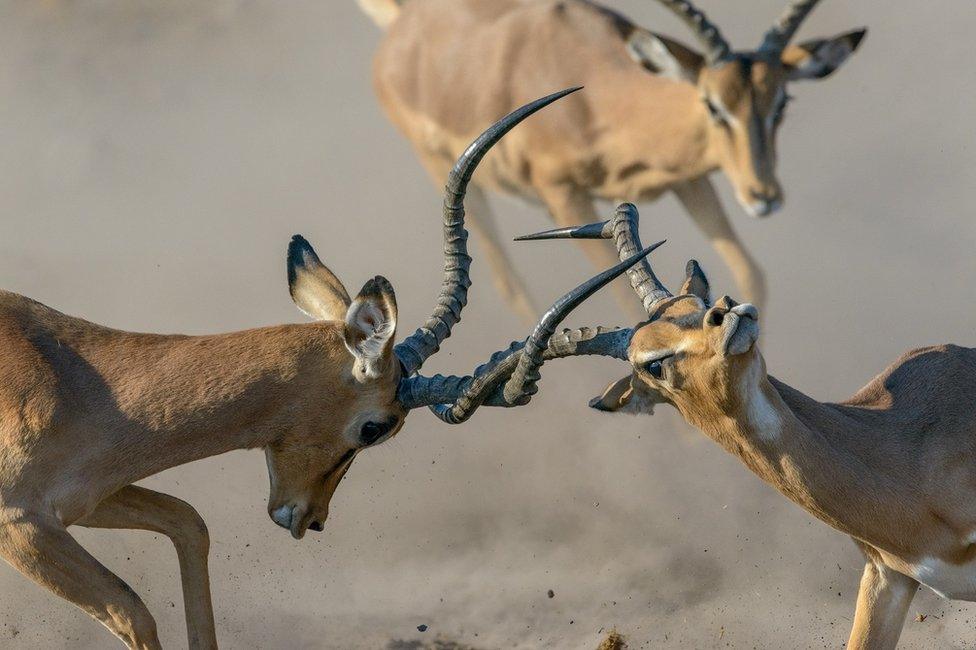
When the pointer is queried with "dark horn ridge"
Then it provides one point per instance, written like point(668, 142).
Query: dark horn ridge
point(624, 229)
point(707, 33)
point(444, 393)
point(454, 399)
point(419, 346)
point(786, 26)
point(522, 383)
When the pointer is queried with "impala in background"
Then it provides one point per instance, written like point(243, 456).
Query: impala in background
point(85, 411)
point(657, 116)
point(894, 466)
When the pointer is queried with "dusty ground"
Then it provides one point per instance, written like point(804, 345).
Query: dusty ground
point(154, 163)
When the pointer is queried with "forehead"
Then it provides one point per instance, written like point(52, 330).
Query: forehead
point(744, 77)
point(673, 323)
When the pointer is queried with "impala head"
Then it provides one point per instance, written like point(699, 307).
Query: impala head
point(744, 93)
point(356, 374)
point(362, 385)
point(697, 355)
point(701, 359)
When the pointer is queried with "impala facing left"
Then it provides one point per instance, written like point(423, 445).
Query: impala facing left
point(85, 411)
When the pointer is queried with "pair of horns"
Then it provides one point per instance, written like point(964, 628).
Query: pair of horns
point(510, 376)
point(623, 229)
point(715, 45)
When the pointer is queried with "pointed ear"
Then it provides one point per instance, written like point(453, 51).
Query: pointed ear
point(313, 287)
point(819, 58)
point(621, 397)
point(696, 283)
point(370, 328)
point(663, 56)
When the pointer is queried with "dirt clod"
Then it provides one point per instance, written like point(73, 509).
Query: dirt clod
point(613, 641)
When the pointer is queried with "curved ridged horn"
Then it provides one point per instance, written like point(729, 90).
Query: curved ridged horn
point(419, 346)
point(623, 229)
point(522, 383)
point(716, 47)
point(779, 35)
point(443, 391)
point(455, 399)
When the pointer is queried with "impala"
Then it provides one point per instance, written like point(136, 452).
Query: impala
point(892, 466)
point(657, 116)
point(85, 411)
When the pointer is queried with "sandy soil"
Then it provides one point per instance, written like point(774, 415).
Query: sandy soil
point(155, 160)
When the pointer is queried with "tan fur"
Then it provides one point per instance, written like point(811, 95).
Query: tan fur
point(448, 66)
point(85, 411)
point(893, 467)
point(383, 12)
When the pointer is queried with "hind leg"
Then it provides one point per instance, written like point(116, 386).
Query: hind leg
point(40, 548)
point(138, 508)
point(703, 205)
point(508, 282)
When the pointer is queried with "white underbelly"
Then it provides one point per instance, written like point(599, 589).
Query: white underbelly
point(956, 581)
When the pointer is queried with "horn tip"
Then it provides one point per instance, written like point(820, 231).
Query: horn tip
point(589, 231)
point(857, 36)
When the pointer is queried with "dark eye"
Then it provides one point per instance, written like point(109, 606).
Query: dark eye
point(655, 369)
point(373, 431)
point(716, 114)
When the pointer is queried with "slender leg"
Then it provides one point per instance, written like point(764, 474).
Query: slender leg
point(702, 203)
point(41, 549)
point(882, 604)
point(508, 282)
point(135, 507)
point(572, 206)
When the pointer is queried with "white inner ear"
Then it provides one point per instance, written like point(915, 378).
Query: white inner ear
point(374, 330)
point(647, 49)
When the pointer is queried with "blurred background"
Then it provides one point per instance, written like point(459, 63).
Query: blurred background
point(156, 158)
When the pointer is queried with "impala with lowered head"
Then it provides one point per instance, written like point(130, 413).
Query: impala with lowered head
point(85, 411)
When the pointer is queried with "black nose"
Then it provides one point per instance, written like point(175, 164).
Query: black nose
point(316, 526)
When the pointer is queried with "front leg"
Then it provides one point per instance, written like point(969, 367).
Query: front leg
point(39, 547)
point(701, 201)
point(134, 507)
point(882, 604)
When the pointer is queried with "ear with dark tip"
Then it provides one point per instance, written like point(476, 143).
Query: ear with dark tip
point(696, 283)
point(819, 58)
point(314, 288)
point(663, 56)
point(615, 396)
point(370, 326)
point(622, 396)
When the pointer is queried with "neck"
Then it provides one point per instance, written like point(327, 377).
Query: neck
point(816, 454)
point(196, 397)
point(669, 142)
